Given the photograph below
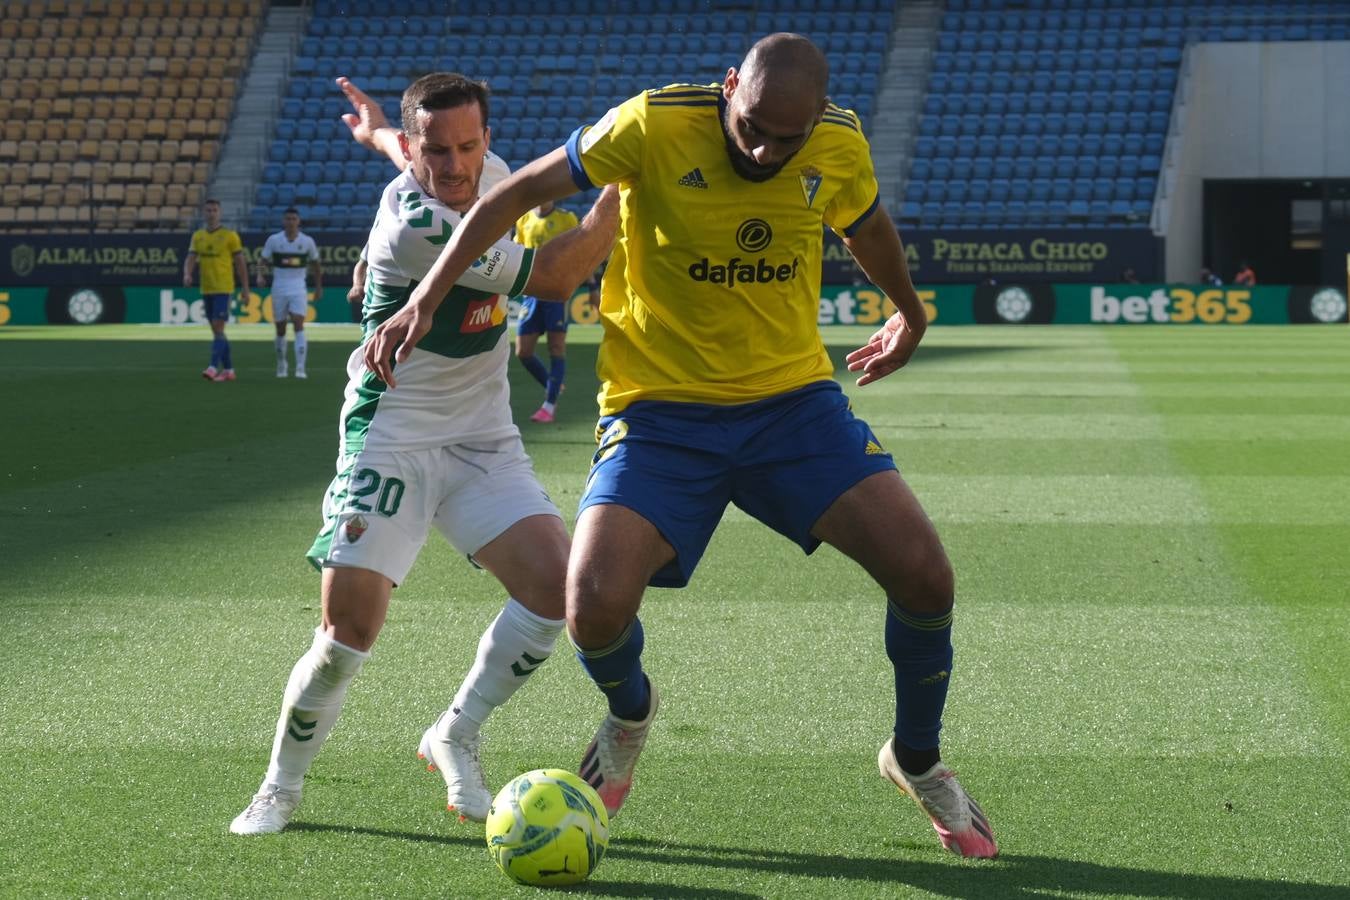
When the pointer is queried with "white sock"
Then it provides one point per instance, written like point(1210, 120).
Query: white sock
point(514, 645)
point(280, 343)
point(301, 350)
point(310, 708)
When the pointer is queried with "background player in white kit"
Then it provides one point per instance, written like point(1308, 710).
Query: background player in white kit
point(440, 450)
point(290, 253)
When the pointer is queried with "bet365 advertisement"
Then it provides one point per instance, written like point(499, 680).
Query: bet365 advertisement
point(947, 304)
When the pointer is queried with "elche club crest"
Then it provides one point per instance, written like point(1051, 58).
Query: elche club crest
point(355, 527)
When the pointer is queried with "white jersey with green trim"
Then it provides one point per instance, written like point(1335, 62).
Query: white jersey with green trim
point(453, 388)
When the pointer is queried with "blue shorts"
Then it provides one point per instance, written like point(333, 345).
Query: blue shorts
point(783, 460)
point(216, 306)
point(539, 316)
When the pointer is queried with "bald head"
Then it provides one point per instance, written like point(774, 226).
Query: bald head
point(774, 102)
point(787, 65)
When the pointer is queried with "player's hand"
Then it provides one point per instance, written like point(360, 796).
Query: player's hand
point(356, 292)
point(187, 281)
point(393, 341)
point(367, 117)
point(261, 282)
point(887, 350)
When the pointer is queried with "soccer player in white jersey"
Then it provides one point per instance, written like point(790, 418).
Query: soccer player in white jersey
point(290, 252)
point(441, 450)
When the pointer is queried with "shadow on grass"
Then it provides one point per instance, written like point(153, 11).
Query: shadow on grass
point(1011, 875)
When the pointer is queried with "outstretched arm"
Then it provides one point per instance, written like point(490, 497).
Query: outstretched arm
point(368, 125)
point(547, 178)
point(877, 248)
point(561, 265)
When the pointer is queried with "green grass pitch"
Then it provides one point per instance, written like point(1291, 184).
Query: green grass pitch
point(1151, 534)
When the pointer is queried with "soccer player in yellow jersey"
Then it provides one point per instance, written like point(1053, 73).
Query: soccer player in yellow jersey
point(220, 254)
point(716, 387)
point(534, 229)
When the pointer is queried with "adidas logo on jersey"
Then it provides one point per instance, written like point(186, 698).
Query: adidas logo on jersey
point(694, 180)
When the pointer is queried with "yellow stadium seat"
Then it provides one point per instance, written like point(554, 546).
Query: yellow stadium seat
point(18, 173)
point(107, 151)
point(46, 214)
point(102, 172)
point(104, 47)
point(46, 152)
point(156, 129)
point(141, 171)
point(135, 129)
point(156, 66)
point(121, 171)
point(162, 173)
point(113, 192)
point(177, 68)
point(128, 150)
point(25, 215)
point(63, 108)
point(135, 194)
point(176, 195)
point(68, 151)
point(154, 195)
point(33, 131)
point(182, 172)
point(82, 170)
point(116, 130)
point(177, 130)
point(126, 217)
point(117, 67)
point(105, 218)
point(9, 151)
point(148, 217)
point(40, 171)
point(82, 109)
point(11, 195)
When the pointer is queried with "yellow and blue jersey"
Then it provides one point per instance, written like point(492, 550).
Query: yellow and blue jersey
point(533, 230)
point(713, 291)
point(215, 256)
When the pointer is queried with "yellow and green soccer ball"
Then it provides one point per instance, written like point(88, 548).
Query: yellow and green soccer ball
point(547, 827)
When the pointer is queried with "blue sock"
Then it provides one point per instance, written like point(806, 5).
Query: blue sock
point(225, 352)
point(217, 351)
point(617, 671)
point(556, 370)
point(920, 648)
point(535, 368)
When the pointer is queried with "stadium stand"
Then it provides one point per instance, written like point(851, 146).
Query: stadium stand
point(548, 73)
point(1037, 112)
point(1055, 112)
point(114, 110)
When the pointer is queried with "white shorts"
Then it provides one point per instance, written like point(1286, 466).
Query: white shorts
point(381, 505)
point(287, 302)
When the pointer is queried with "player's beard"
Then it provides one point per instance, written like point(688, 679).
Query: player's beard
point(742, 163)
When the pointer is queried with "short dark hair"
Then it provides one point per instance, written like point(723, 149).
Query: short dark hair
point(210, 201)
point(441, 90)
point(290, 209)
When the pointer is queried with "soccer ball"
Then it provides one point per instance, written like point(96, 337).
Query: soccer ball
point(547, 827)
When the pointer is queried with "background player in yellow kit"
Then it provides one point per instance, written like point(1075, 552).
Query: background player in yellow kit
point(220, 254)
